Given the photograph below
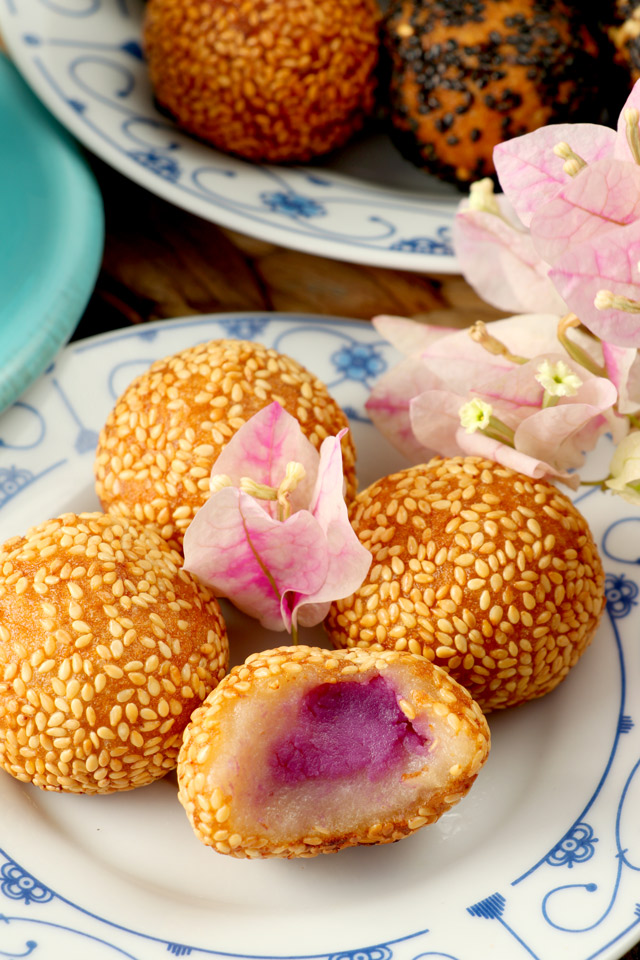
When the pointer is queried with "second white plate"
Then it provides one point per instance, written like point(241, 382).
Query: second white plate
point(367, 205)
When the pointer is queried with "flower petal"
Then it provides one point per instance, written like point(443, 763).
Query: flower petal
point(262, 448)
point(608, 263)
point(561, 435)
point(408, 336)
point(623, 369)
point(502, 265)
point(235, 547)
point(347, 559)
point(603, 196)
point(529, 171)
point(388, 406)
point(477, 445)
point(435, 419)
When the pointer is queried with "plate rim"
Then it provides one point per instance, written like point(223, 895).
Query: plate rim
point(282, 235)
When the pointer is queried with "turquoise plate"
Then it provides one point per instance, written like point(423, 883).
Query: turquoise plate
point(51, 235)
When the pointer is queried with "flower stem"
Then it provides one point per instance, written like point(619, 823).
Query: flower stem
point(294, 634)
point(595, 483)
point(634, 419)
point(574, 351)
point(499, 431)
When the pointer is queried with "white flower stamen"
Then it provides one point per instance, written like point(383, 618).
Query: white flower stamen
point(606, 300)
point(218, 481)
point(475, 415)
point(573, 162)
point(631, 118)
point(557, 380)
point(261, 491)
point(480, 334)
point(482, 197)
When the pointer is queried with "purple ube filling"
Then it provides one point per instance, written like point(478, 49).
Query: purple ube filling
point(344, 728)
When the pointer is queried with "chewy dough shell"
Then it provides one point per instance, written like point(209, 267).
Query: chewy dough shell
point(159, 443)
point(303, 750)
point(106, 648)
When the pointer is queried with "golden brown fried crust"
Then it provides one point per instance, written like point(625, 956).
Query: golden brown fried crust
point(625, 36)
point(271, 80)
point(160, 441)
point(211, 811)
point(488, 573)
point(106, 648)
point(469, 74)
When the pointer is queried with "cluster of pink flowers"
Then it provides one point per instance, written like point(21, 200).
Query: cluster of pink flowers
point(536, 391)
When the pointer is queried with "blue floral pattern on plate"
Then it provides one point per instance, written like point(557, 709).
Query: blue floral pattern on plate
point(541, 860)
point(84, 60)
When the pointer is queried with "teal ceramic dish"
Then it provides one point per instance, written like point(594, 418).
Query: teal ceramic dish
point(51, 235)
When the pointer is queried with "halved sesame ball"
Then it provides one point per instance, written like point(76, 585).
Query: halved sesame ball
point(106, 648)
point(273, 80)
point(160, 441)
point(484, 571)
point(302, 751)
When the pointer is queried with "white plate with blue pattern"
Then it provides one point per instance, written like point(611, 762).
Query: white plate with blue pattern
point(367, 205)
point(541, 860)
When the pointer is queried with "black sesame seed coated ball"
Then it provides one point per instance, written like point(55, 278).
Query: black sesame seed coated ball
point(469, 74)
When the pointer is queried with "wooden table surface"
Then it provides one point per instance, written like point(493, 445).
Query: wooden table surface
point(161, 262)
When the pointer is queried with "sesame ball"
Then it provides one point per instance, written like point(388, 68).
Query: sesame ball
point(469, 74)
point(484, 571)
point(106, 648)
point(303, 750)
point(159, 443)
point(624, 34)
point(268, 80)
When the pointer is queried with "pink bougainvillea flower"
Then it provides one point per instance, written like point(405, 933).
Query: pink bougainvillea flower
point(566, 233)
point(529, 407)
point(531, 172)
point(577, 187)
point(497, 255)
point(274, 537)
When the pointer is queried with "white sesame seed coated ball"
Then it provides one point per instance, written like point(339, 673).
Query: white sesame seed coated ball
point(106, 648)
point(274, 80)
point(160, 441)
point(302, 750)
point(484, 571)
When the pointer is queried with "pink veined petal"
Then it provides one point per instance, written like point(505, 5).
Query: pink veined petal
point(408, 336)
point(529, 171)
point(261, 450)
point(476, 444)
point(347, 559)
point(603, 196)
point(502, 264)
point(609, 263)
point(435, 419)
point(623, 369)
point(622, 151)
point(520, 389)
point(562, 436)
point(256, 561)
point(388, 406)
point(460, 361)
